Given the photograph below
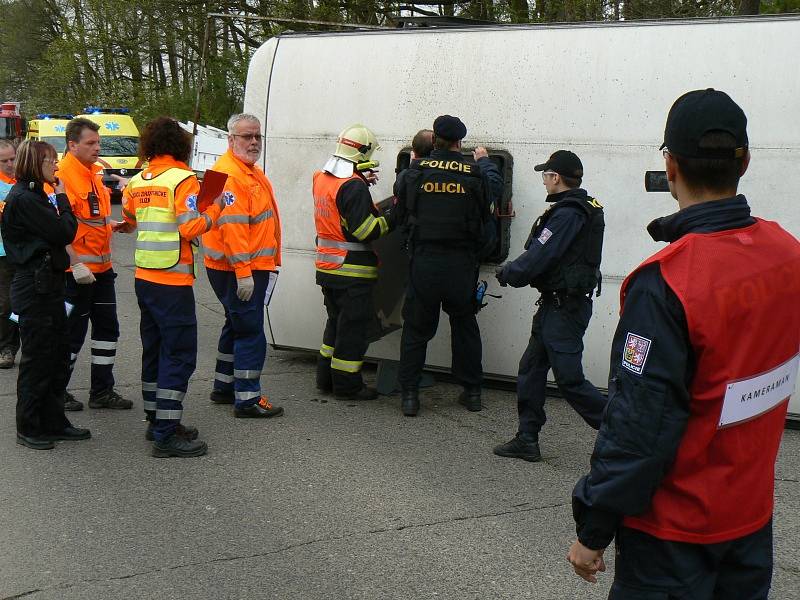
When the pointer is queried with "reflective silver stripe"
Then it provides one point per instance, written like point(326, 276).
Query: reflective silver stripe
point(246, 395)
point(91, 258)
point(326, 351)
point(223, 378)
point(209, 222)
point(169, 415)
point(225, 357)
point(149, 405)
point(101, 345)
point(149, 386)
point(187, 216)
point(180, 268)
point(342, 245)
point(72, 357)
point(267, 214)
point(156, 226)
point(225, 219)
point(170, 394)
point(215, 254)
point(242, 256)
point(246, 374)
point(239, 257)
point(330, 258)
point(364, 229)
point(158, 246)
point(263, 252)
point(99, 222)
point(102, 360)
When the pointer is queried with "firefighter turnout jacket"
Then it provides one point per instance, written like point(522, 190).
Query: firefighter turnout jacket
point(346, 221)
point(91, 205)
point(161, 202)
point(247, 235)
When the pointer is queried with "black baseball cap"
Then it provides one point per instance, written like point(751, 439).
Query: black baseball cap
point(449, 128)
point(699, 112)
point(563, 162)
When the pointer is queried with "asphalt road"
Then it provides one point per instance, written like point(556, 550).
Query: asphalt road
point(332, 500)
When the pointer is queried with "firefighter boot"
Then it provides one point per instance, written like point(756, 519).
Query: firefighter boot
point(471, 399)
point(410, 402)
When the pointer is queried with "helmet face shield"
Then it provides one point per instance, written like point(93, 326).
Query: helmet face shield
point(356, 143)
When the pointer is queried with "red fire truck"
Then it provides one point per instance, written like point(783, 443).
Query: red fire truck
point(12, 125)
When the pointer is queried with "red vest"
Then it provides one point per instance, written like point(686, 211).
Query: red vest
point(740, 290)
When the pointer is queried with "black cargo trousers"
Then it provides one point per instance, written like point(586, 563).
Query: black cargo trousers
point(441, 278)
point(44, 366)
point(557, 342)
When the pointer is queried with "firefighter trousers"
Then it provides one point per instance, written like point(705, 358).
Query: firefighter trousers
point(9, 331)
point(242, 346)
point(344, 342)
point(44, 366)
point(95, 302)
point(168, 328)
point(557, 342)
point(441, 280)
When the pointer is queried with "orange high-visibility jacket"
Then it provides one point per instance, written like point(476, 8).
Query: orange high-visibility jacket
point(191, 223)
point(6, 179)
point(92, 242)
point(247, 235)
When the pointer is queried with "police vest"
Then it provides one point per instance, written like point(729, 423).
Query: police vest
point(336, 254)
point(158, 242)
point(578, 270)
point(740, 290)
point(444, 201)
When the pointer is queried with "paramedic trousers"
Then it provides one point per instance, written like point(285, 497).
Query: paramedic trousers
point(557, 342)
point(242, 346)
point(95, 302)
point(168, 329)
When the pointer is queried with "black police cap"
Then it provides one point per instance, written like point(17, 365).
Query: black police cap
point(449, 128)
point(563, 162)
point(700, 112)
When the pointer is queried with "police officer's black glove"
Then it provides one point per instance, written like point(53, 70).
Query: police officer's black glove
point(498, 273)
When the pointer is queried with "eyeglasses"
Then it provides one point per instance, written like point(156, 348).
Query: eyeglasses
point(52, 161)
point(548, 174)
point(665, 153)
point(250, 137)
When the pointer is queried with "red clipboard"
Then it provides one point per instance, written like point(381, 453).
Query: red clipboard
point(212, 186)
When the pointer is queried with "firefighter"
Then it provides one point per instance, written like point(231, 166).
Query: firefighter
point(90, 280)
point(9, 331)
point(346, 221)
point(242, 253)
point(703, 362)
point(161, 203)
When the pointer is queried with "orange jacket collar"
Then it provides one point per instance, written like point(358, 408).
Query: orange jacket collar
point(162, 162)
point(6, 179)
point(69, 162)
point(230, 161)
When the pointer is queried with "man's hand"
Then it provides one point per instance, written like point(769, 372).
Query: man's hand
point(82, 274)
point(480, 152)
point(371, 176)
point(244, 288)
point(498, 273)
point(220, 200)
point(121, 227)
point(585, 561)
point(121, 181)
point(59, 188)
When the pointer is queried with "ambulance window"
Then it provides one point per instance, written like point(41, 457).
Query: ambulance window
point(505, 210)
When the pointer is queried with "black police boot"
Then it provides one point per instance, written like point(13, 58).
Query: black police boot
point(365, 393)
point(410, 402)
point(471, 398)
point(187, 431)
point(524, 446)
point(35, 443)
point(176, 445)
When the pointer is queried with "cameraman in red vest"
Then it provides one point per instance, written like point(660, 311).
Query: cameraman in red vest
point(703, 362)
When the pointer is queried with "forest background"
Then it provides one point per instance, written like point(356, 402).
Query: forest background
point(58, 56)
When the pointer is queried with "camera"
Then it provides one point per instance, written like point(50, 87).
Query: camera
point(656, 181)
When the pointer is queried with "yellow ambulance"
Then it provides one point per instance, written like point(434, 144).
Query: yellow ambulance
point(50, 128)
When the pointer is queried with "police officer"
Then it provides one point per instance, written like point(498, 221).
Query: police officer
point(346, 221)
point(161, 203)
point(562, 260)
point(448, 206)
point(702, 365)
point(242, 253)
point(90, 281)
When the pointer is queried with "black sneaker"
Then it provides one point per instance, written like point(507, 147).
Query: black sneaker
point(109, 399)
point(365, 393)
point(69, 434)
point(220, 397)
point(186, 431)
point(526, 449)
point(176, 445)
point(471, 399)
point(71, 404)
point(263, 409)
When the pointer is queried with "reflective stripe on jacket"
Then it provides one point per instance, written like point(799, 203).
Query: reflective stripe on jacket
point(247, 235)
point(92, 243)
point(162, 202)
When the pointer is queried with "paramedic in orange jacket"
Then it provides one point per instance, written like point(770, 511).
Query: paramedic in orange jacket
point(242, 255)
point(161, 203)
point(90, 281)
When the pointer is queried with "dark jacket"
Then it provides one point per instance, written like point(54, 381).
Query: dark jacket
point(653, 406)
point(34, 224)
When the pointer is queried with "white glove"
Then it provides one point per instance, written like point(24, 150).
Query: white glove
point(82, 274)
point(244, 288)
